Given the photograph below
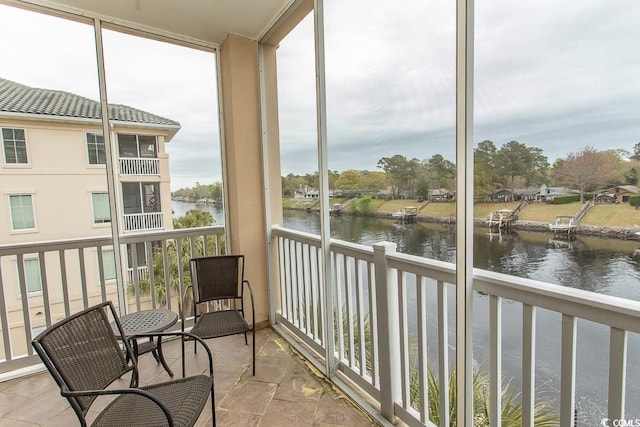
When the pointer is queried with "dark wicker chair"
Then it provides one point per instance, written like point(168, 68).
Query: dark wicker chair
point(84, 356)
point(218, 284)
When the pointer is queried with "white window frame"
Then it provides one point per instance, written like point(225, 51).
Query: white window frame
point(26, 148)
point(26, 277)
point(86, 146)
point(93, 211)
point(107, 280)
point(31, 194)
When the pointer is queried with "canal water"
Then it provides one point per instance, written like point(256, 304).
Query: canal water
point(606, 266)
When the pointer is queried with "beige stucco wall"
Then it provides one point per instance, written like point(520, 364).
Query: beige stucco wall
point(242, 161)
point(60, 180)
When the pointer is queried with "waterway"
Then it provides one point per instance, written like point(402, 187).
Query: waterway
point(606, 266)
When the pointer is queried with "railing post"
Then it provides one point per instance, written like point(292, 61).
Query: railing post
point(388, 329)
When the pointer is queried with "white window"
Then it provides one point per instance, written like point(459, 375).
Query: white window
point(21, 206)
point(101, 212)
point(109, 264)
point(14, 146)
point(32, 275)
point(95, 149)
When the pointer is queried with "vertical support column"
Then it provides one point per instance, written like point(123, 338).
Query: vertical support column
point(529, 364)
point(568, 371)
point(464, 211)
point(388, 329)
point(495, 352)
point(323, 175)
point(617, 373)
point(111, 176)
point(271, 162)
point(242, 160)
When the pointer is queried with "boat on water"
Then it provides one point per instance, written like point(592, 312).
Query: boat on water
point(408, 214)
point(335, 209)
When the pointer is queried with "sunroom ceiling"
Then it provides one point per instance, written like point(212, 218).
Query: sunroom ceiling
point(204, 21)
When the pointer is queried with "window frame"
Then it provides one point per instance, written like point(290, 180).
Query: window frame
point(4, 151)
point(33, 212)
point(95, 149)
point(105, 251)
point(93, 209)
point(30, 260)
point(139, 150)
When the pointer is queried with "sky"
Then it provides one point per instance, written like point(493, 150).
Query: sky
point(555, 75)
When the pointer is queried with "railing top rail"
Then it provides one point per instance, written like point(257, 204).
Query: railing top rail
point(338, 246)
point(48, 246)
point(425, 267)
point(311, 239)
point(609, 310)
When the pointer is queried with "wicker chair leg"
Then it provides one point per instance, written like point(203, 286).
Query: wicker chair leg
point(254, 352)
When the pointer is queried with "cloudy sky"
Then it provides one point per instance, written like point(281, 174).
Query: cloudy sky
point(555, 75)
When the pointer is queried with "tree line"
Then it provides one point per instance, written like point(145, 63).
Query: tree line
point(512, 166)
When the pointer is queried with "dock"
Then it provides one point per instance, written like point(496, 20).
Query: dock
point(564, 225)
point(408, 214)
point(501, 219)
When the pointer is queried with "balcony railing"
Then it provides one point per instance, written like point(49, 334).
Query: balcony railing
point(139, 166)
point(73, 277)
point(385, 307)
point(143, 221)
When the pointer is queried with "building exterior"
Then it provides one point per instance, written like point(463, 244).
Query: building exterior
point(621, 193)
point(54, 182)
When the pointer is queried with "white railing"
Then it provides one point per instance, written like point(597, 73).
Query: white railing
point(139, 166)
point(142, 274)
point(143, 221)
point(392, 323)
point(73, 274)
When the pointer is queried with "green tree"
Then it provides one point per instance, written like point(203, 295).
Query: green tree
point(485, 175)
point(441, 172)
point(636, 152)
point(171, 282)
point(515, 159)
point(373, 181)
point(349, 181)
point(400, 172)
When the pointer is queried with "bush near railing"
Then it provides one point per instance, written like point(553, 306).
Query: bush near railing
point(545, 415)
point(214, 246)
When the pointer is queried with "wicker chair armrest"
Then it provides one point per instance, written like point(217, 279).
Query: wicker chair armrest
point(179, 334)
point(253, 310)
point(67, 393)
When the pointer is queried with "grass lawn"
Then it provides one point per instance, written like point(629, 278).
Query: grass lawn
point(299, 203)
point(544, 212)
point(619, 215)
point(482, 210)
point(609, 215)
point(443, 209)
point(395, 205)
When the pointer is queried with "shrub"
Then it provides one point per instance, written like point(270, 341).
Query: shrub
point(364, 206)
point(635, 200)
point(562, 200)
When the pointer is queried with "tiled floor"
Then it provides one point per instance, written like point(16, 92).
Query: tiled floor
point(284, 392)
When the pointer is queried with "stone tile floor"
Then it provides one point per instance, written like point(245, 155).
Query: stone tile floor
point(285, 391)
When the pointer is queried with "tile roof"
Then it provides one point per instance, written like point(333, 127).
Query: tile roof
point(18, 98)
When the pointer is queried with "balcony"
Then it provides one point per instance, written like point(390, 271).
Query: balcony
point(381, 357)
point(283, 392)
point(139, 166)
point(143, 221)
